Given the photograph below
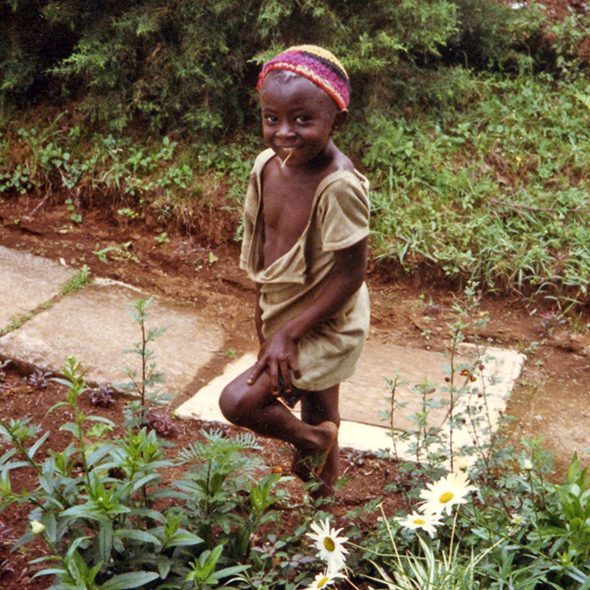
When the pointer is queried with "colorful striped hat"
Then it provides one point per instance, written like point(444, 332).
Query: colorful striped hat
point(318, 65)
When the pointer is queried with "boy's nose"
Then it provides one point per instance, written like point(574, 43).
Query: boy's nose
point(285, 130)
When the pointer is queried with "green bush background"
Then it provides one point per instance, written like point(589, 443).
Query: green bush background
point(469, 116)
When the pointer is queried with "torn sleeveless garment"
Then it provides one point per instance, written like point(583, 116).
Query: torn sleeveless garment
point(339, 218)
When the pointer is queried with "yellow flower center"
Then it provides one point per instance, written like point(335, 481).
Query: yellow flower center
point(329, 544)
point(419, 521)
point(323, 582)
point(446, 497)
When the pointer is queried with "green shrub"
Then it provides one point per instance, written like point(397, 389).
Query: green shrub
point(98, 503)
point(192, 65)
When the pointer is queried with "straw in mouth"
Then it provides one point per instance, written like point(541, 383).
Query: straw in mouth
point(289, 154)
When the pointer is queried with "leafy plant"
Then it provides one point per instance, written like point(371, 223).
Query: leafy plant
point(74, 215)
point(96, 503)
point(39, 379)
point(102, 396)
point(162, 238)
point(81, 279)
point(122, 252)
point(144, 381)
point(564, 523)
point(161, 423)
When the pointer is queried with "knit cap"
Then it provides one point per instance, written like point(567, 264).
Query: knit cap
point(316, 64)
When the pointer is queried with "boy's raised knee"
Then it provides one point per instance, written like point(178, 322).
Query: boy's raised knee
point(232, 404)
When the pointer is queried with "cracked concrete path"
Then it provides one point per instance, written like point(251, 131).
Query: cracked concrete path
point(41, 326)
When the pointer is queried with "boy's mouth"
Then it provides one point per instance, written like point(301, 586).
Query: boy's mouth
point(286, 154)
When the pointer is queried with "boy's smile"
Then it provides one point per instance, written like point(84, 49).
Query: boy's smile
point(298, 120)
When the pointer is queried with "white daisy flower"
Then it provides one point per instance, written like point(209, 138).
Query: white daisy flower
point(329, 545)
point(325, 579)
point(445, 493)
point(426, 522)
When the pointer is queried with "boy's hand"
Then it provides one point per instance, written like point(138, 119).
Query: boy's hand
point(278, 355)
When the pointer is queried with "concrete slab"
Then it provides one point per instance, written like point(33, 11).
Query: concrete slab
point(95, 326)
point(366, 397)
point(381, 362)
point(26, 282)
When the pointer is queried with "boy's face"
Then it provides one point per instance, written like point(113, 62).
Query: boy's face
point(298, 117)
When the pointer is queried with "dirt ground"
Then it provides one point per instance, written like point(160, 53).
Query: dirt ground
point(551, 398)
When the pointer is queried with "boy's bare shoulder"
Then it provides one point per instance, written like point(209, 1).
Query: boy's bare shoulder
point(341, 162)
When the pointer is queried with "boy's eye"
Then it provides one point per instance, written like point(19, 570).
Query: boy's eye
point(269, 119)
point(302, 119)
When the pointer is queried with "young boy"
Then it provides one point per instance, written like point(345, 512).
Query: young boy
point(306, 223)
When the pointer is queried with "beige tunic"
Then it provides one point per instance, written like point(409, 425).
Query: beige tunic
point(339, 218)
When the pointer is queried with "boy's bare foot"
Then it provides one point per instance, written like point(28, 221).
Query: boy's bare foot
point(310, 461)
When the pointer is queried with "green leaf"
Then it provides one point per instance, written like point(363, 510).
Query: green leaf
point(130, 580)
point(14, 465)
point(105, 541)
point(164, 565)
point(98, 431)
point(149, 513)
point(55, 571)
point(87, 510)
point(31, 452)
point(100, 419)
point(137, 535)
point(60, 404)
point(74, 546)
point(230, 571)
point(133, 486)
point(70, 427)
point(65, 382)
point(183, 538)
point(98, 454)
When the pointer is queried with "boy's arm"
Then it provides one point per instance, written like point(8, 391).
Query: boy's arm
point(279, 352)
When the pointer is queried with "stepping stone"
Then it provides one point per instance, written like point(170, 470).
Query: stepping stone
point(95, 325)
point(27, 282)
point(365, 398)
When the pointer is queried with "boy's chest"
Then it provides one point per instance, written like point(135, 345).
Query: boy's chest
point(287, 208)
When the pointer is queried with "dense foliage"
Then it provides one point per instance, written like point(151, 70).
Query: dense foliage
point(469, 117)
point(191, 64)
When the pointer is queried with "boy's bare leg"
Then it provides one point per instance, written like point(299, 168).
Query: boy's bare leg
point(318, 407)
point(255, 407)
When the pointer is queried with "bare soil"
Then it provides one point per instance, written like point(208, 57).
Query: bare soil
point(200, 266)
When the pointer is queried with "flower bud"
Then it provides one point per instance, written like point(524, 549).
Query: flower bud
point(37, 527)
